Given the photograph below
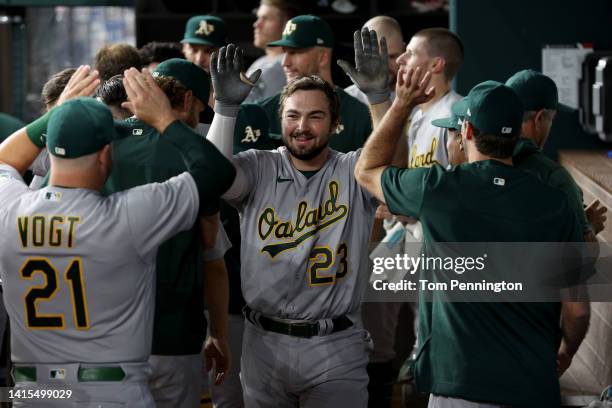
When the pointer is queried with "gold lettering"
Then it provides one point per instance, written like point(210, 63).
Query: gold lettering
point(55, 233)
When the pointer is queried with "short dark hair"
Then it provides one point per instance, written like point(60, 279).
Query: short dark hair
point(112, 91)
point(112, 60)
point(498, 147)
point(55, 85)
point(174, 90)
point(159, 52)
point(442, 42)
point(312, 83)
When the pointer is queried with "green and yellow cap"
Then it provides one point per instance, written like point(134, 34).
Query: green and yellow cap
point(187, 73)
point(536, 90)
point(453, 122)
point(252, 129)
point(79, 127)
point(493, 108)
point(305, 32)
point(205, 30)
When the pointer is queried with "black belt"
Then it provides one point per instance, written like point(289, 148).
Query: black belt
point(303, 329)
point(85, 374)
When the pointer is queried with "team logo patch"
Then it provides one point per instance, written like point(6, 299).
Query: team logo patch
point(137, 132)
point(506, 130)
point(53, 196)
point(320, 41)
point(60, 151)
point(499, 181)
point(205, 28)
point(251, 135)
point(4, 177)
point(57, 374)
point(289, 28)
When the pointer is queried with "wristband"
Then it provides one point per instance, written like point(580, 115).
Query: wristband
point(226, 109)
point(380, 96)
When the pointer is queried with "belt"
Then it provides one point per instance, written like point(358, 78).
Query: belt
point(302, 329)
point(85, 374)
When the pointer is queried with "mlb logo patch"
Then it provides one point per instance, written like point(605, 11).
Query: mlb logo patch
point(53, 196)
point(60, 151)
point(506, 130)
point(320, 41)
point(137, 132)
point(57, 374)
point(498, 181)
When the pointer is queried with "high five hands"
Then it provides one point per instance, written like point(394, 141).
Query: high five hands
point(371, 71)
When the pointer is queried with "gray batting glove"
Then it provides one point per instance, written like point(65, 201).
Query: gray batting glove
point(230, 85)
point(371, 71)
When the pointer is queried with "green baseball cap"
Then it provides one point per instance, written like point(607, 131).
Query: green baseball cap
point(187, 73)
point(79, 127)
point(453, 122)
point(205, 30)
point(536, 90)
point(305, 32)
point(252, 129)
point(493, 108)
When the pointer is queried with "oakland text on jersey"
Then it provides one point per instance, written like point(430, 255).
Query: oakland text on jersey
point(50, 230)
point(310, 220)
point(425, 159)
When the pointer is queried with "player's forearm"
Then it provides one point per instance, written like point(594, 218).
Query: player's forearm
point(221, 134)
point(575, 317)
point(21, 148)
point(380, 148)
point(212, 172)
point(216, 293)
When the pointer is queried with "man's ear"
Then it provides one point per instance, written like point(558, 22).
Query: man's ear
point(539, 119)
point(469, 130)
point(187, 101)
point(105, 156)
point(437, 65)
point(334, 127)
point(324, 58)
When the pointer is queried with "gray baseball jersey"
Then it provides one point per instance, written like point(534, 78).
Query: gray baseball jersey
point(304, 240)
point(78, 269)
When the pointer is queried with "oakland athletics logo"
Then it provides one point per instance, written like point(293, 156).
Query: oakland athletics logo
point(205, 28)
point(308, 221)
point(289, 28)
point(251, 135)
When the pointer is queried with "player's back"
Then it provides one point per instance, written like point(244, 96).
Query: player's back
point(78, 268)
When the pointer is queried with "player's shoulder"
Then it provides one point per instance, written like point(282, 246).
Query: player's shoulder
point(11, 180)
point(444, 104)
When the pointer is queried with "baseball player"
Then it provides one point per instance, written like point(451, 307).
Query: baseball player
point(203, 35)
point(145, 156)
point(496, 354)
point(304, 227)
point(540, 98)
point(81, 320)
point(272, 15)
point(390, 29)
point(454, 146)
point(307, 44)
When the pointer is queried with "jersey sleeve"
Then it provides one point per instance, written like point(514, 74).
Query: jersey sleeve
point(158, 211)
point(561, 179)
point(42, 164)
point(370, 202)
point(247, 177)
point(404, 189)
point(11, 184)
point(222, 245)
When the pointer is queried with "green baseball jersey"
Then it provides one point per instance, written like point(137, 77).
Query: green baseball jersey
point(527, 156)
point(77, 268)
point(502, 353)
point(303, 239)
point(354, 128)
point(143, 156)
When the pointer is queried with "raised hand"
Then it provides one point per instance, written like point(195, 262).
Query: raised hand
point(230, 85)
point(146, 100)
point(371, 71)
point(596, 215)
point(412, 87)
point(83, 82)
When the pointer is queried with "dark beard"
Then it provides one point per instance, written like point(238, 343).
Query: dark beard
point(308, 155)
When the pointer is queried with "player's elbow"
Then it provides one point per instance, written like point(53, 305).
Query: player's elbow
point(361, 174)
